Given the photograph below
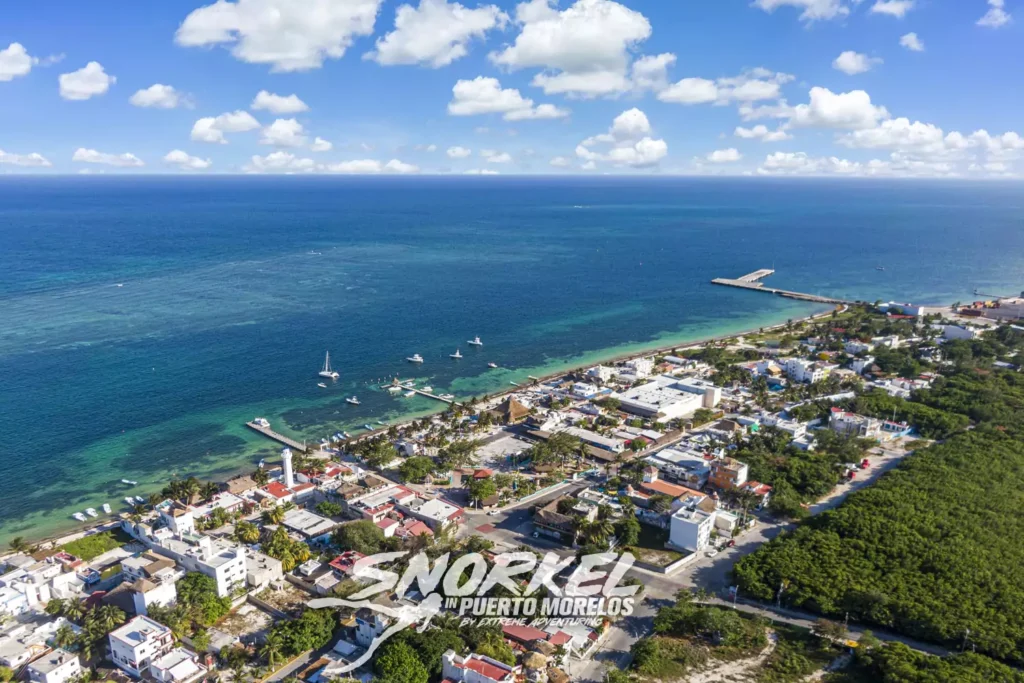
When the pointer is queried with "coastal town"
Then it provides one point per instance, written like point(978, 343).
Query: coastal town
point(690, 460)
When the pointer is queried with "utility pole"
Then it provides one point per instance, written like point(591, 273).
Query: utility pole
point(778, 596)
point(963, 645)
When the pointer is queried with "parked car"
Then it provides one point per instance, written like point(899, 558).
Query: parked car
point(712, 552)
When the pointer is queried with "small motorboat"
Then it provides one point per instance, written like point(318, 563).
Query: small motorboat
point(448, 397)
point(129, 482)
point(346, 435)
point(415, 358)
point(79, 516)
point(394, 389)
point(368, 427)
point(492, 365)
point(427, 389)
point(91, 512)
point(353, 400)
point(381, 422)
point(140, 500)
point(321, 385)
point(106, 508)
point(457, 355)
point(410, 394)
point(476, 342)
point(130, 501)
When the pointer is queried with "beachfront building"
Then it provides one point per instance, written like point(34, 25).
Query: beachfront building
point(666, 397)
point(58, 666)
point(134, 646)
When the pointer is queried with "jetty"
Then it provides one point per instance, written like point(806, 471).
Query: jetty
point(280, 438)
point(409, 386)
point(752, 281)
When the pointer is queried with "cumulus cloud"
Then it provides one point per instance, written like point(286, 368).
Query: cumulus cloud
point(560, 162)
point(484, 95)
point(212, 129)
point(494, 157)
point(435, 34)
point(912, 42)
point(584, 49)
point(853, 63)
point(628, 142)
point(89, 81)
point(724, 156)
point(996, 15)
point(278, 104)
point(894, 8)
point(185, 161)
point(157, 96)
point(321, 145)
point(91, 156)
point(812, 10)
point(650, 72)
point(762, 133)
point(750, 86)
point(481, 171)
point(827, 109)
point(280, 162)
point(284, 133)
point(33, 159)
point(15, 61)
point(289, 35)
point(372, 167)
point(458, 152)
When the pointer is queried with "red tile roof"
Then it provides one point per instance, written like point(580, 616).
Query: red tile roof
point(495, 673)
point(278, 490)
point(523, 634)
point(668, 489)
point(346, 561)
point(560, 638)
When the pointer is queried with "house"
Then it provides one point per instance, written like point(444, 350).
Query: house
point(584, 390)
point(27, 637)
point(653, 485)
point(177, 666)
point(474, 668)
point(344, 564)
point(413, 527)
point(641, 367)
point(134, 646)
point(690, 526)
point(58, 666)
point(221, 560)
point(435, 512)
point(808, 372)
point(311, 527)
point(958, 332)
point(548, 521)
point(852, 424)
point(262, 570)
point(510, 411)
point(763, 492)
point(370, 625)
point(728, 473)
point(689, 467)
point(601, 373)
point(389, 526)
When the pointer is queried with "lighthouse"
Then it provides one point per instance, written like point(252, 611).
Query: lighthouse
point(286, 458)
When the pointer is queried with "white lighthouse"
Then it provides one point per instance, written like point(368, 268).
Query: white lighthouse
point(286, 458)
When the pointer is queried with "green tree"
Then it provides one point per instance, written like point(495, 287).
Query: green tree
point(482, 489)
point(247, 533)
point(363, 536)
point(274, 515)
point(272, 649)
point(416, 469)
point(18, 544)
point(329, 508)
point(198, 594)
point(628, 531)
point(397, 663)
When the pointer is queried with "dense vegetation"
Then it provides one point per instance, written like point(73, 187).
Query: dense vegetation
point(90, 547)
point(933, 549)
point(897, 663)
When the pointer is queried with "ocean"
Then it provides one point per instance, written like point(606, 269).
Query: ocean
point(143, 320)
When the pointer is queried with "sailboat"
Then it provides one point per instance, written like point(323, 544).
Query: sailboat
point(327, 372)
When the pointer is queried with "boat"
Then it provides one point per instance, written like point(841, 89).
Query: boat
point(327, 372)
point(448, 397)
point(382, 423)
point(427, 389)
point(492, 365)
point(415, 358)
point(106, 508)
point(261, 422)
point(457, 355)
point(130, 501)
point(140, 500)
point(410, 394)
point(346, 435)
point(353, 400)
point(91, 512)
point(321, 385)
point(129, 482)
point(476, 342)
point(368, 427)
point(879, 267)
point(394, 389)
point(79, 516)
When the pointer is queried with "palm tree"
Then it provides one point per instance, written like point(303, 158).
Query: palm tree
point(19, 544)
point(109, 617)
point(209, 490)
point(261, 477)
point(73, 610)
point(247, 532)
point(65, 636)
point(272, 648)
point(274, 515)
point(55, 607)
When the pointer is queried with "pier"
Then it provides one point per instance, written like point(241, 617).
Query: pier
point(411, 387)
point(752, 281)
point(280, 438)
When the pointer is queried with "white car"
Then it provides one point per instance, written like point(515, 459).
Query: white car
point(492, 513)
point(712, 553)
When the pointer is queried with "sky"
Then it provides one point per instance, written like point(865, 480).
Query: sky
point(848, 88)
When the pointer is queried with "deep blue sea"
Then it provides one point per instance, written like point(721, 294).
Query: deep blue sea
point(144, 319)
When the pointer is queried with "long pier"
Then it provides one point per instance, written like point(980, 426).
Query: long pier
point(280, 438)
point(412, 387)
point(752, 281)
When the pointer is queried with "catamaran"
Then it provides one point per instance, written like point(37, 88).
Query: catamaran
point(415, 358)
point(327, 372)
point(457, 355)
point(353, 400)
point(476, 342)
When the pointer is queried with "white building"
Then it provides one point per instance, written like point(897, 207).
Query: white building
point(262, 570)
point(859, 365)
point(474, 668)
point(641, 367)
point(58, 666)
point(310, 526)
point(601, 372)
point(690, 528)
point(26, 638)
point(134, 646)
point(958, 332)
point(584, 390)
point(286, 463)
point(27, 588)
point(800, 370)
point(177, 666)
point(434, 512)
point(614, 445)
point(792, 427)
point(689, 467)
point(221, 560)
point(854, 347)
point(667, 397)
point(369, 626)
point(852, 424)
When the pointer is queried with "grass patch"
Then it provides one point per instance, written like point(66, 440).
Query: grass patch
point(91, 547)
point(797, 655)
point(650, 548)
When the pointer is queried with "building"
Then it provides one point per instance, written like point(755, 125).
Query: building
point(262, 570)
point(25, 638)
point(653, 485)
point(795, 429)
point(808, 372)
point(667, 398)
point(602, 373)
point(345, 564)
point(510, 411)
point(584, 390)
point(370, 625)
point(690, 527)
point(177, 666)
point(641, 367)
point(852, 424)
point(434, 512)
point(28, 587)
point(58, 666)
point(311, 527)
point(474, 668)
point(221, 560)
point(134, 646)
point(728, 473)
point(763, 492)
point(689, 467)
point(612, 445)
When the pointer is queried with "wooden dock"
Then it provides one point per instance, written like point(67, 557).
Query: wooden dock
point(411, 387)
point(280, 438)
point(752, 281)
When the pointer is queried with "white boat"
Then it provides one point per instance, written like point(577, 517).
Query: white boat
point(415, 358)
point(130, 501)
point(427, 389)
point(448, 397)
point(382, 423)
point(321, 385)
point(492, 365)
point(368, 427)
point(410, 394)
point(456, 355)
point(79, 516)
point(129, 482)
point(353, 400)
point(140, 500)
point(476, 342)
point(394, 390)
point(106, 508)
point(327, 372)
point(91, 512)
point(261, 422)
point(346, 435)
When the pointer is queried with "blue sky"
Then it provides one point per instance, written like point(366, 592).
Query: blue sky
point(803, 87)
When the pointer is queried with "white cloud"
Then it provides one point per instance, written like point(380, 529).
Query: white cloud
point(481, 171)
point(15, 62)
point(724, 156)
point(33, 159)
point(651, 71)
point(752, 85)
point(494, 157)
point(157, 96)
point(852, 63)
point(560, 162)
point(321, 145)
point(278, 104)
point(996, 15)
point(186, 162)
point(426, 148)
point(799, 163)
point(212, 129)
point(280, 162)
point(284, 133)
point(827, 109)
point(89, 81)
point(628, 143)
point(761, 132)
point(91, 156)
point(484, 95)
point(372, 167)
point(912, 42)
point(458, 152)
point(813, 10)
point(894, 8)
point(435, 34)
point(584, 49)
point(290, 35)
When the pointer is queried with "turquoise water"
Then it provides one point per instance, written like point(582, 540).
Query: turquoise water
point(232, 289)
